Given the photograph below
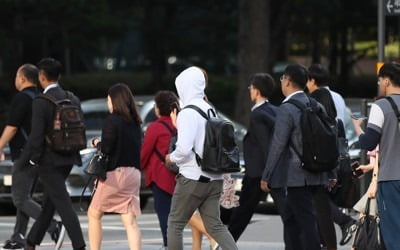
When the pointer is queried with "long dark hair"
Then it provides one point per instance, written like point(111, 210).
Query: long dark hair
point(323, 96)
point(123, 102)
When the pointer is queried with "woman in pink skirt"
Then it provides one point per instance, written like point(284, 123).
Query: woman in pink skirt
point(119, 193)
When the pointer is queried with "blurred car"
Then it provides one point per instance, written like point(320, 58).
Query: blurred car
point(95, 111)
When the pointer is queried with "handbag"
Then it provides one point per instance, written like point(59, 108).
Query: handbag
point(347, 191)
point(97, 166)
point(368, 235)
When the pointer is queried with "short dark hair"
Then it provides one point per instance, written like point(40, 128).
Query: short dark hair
point(319, 74)
point(392, 71)
point(166, 100)
point(51, 68)
point(298, 74)
point(30, 72)
point(123, 102)
point(263, 82)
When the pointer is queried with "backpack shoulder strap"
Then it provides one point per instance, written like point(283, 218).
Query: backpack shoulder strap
point(48, 98)
point(201, 112)
point(29, 93)
point(296, 103)
point(172, 131)
point(394, 107)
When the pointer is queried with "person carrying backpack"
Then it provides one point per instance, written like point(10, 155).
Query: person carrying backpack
point(53, 166)
point(287, 144)
point(383, 128)
point(152, 156)
point(195, 188)
point(23, 176)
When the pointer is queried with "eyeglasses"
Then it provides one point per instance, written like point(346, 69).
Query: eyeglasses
point(283, 77)
point(250, 87)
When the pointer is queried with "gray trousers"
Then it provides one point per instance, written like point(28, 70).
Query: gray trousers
point(24, 178)
point(188, 196)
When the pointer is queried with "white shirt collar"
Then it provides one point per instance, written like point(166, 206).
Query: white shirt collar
point(292, 94)
point(258, 104)
point(327, 87)
point(54, 85)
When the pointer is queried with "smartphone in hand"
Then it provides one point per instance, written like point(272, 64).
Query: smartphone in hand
point(358, 116)
point(356, 172)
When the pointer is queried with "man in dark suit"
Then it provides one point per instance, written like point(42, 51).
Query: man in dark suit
point(301, 184)
point(53, 167)
point(256, 145)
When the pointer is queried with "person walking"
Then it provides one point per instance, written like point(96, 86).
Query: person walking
point(195, 189)
point(152, 156)
point(119, 192)
point(301, 184)
point(15, 133)
point(383, 129)
point(318, 78)
point(53, 167)
point(321, 76)
point(256, 145)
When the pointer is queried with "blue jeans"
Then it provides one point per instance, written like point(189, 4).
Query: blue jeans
point(162, 205)
point(388, 199)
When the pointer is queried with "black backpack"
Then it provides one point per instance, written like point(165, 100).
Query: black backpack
point(319, 135)
point(67, 135)
point(220, 154)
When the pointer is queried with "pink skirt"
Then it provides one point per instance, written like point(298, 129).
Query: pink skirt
point(119, 193)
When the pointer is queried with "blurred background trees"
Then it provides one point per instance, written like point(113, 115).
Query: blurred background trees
point(147, 42)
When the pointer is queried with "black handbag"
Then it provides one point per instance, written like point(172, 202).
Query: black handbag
point(347, 190)
point(97, 166)
point(368, 235)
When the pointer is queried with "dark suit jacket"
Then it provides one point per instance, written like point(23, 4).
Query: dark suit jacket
point(256, 143)
point(37, 149)
point(283, 166)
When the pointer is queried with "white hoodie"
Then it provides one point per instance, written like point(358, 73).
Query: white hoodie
point(190, 85)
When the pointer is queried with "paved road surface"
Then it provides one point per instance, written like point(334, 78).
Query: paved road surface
point(264, 232)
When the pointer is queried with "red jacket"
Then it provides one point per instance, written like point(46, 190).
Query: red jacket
point(157, 136)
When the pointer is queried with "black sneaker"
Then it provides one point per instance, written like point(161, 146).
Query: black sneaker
point(58, 234)
point(9, 244)
point(347, 231)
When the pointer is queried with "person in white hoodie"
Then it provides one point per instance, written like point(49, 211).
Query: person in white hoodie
point(195, 189)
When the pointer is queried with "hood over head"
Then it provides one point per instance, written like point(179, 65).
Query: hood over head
point(190, 84)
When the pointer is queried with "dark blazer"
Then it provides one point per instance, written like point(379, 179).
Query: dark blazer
point(121, 140)
point(283, 166)
point(42, 122)
point(256, 143)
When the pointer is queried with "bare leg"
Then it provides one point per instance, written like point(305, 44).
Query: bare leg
point(198, 230)
point(95, 231)
point(132, 231)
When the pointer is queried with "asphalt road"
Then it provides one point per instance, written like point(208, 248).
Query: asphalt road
point(264, 232)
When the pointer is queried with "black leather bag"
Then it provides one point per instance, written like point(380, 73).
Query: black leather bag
point(347, 191)
point(98, 165)
point(368, 236)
